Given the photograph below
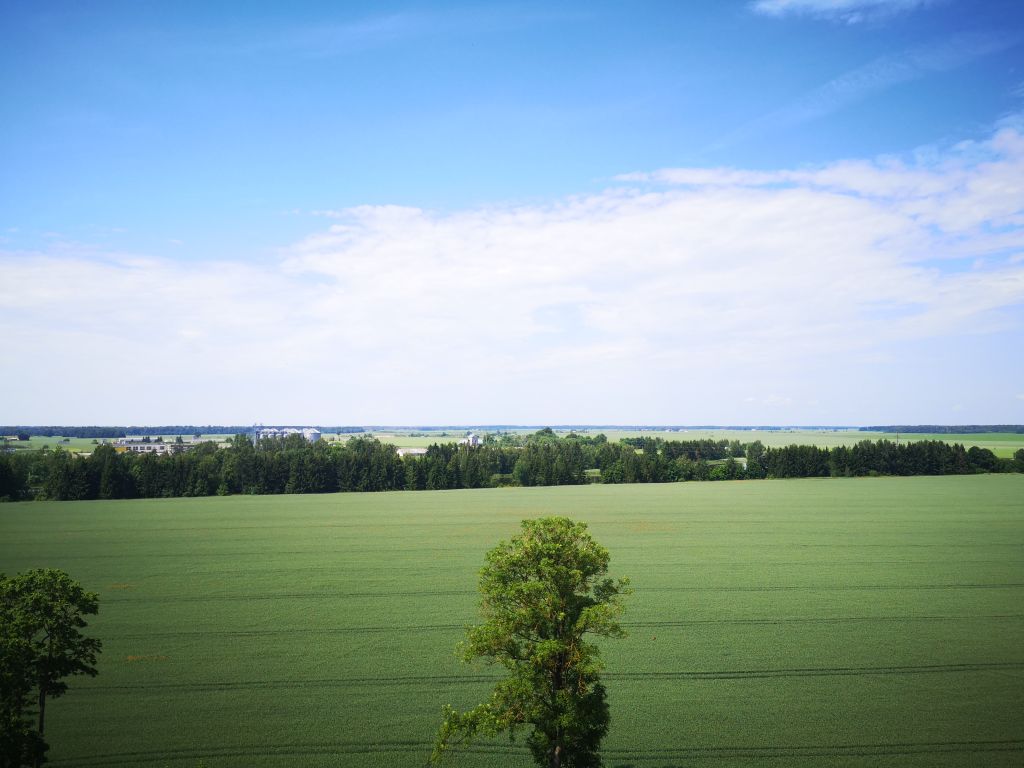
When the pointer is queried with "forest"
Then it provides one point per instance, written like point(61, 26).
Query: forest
point(293, 465)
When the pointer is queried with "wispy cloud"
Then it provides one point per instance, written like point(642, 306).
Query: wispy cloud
point(722, 289)
point(876, 76)
point(330, 38)
point(848, 11)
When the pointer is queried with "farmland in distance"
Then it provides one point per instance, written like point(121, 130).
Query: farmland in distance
point(1002, 444)
point(778, 623)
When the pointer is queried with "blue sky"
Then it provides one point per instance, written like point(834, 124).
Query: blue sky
point(784, 211)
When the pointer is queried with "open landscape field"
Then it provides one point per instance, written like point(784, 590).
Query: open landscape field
point(38, 442)
point(88, 444)
point(1002, 444)
point(778, 623)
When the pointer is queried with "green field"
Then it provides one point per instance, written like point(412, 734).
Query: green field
point(37, 442)
point(872, 622)
point(88, 444)
point(1000, 443)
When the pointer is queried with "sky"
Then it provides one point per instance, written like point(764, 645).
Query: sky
point(730, 212)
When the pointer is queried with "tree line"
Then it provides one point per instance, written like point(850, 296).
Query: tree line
point(112, 433)
point(945, 429)
point(883, 457)
point(293, 465)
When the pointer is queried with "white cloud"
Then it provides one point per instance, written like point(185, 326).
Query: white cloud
point(849, 11)
point(673, 298)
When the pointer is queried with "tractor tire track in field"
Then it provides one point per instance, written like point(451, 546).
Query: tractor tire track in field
point(359, 568)
point(280, 750)
point(297, 631)
point(260, 553)
point(288, 596)
point(433, 524)
point(454, 592)
point(772, 753)
point(382, 629)
point(263, 553)
point(434, 680)
point(831, 587)
point(898, 749)
point(335, 567)
point(757, 674)
point(818, 620)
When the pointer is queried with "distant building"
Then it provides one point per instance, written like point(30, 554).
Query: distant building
point(262, 433)
point(471, 440)
point(148, 445)
point(403, 452)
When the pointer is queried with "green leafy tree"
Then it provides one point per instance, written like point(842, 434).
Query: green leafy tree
point(20, 743)
point(542, 593)
point(41, 613)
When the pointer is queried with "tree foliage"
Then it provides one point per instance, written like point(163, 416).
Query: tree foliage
point(542, 594)
point(41, 613)
point(292, 465)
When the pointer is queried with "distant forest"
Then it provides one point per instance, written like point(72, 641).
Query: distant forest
point(108, 432)
point(112, 433)
point(939, 429)
point(293, 465)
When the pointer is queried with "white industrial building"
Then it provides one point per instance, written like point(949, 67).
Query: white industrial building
point(310, 433)
point(147, 445)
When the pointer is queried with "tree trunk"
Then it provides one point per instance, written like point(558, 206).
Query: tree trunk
point(556, 753)
point(42, 720)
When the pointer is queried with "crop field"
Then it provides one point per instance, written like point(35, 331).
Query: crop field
point(871, 622)
point(1000, 443)
point(37, 442)
point(88, 444)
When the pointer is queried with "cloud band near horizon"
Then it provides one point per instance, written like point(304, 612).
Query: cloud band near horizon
point(676, 296)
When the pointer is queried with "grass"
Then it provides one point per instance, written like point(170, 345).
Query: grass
point(776, 623)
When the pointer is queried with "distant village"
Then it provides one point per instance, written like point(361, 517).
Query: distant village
point(140, 444)
point(310, 433)
point(164, 444)
point(471, 439)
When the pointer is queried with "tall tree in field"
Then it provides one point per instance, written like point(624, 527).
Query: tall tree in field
point(542, 593)
point(41, 613)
